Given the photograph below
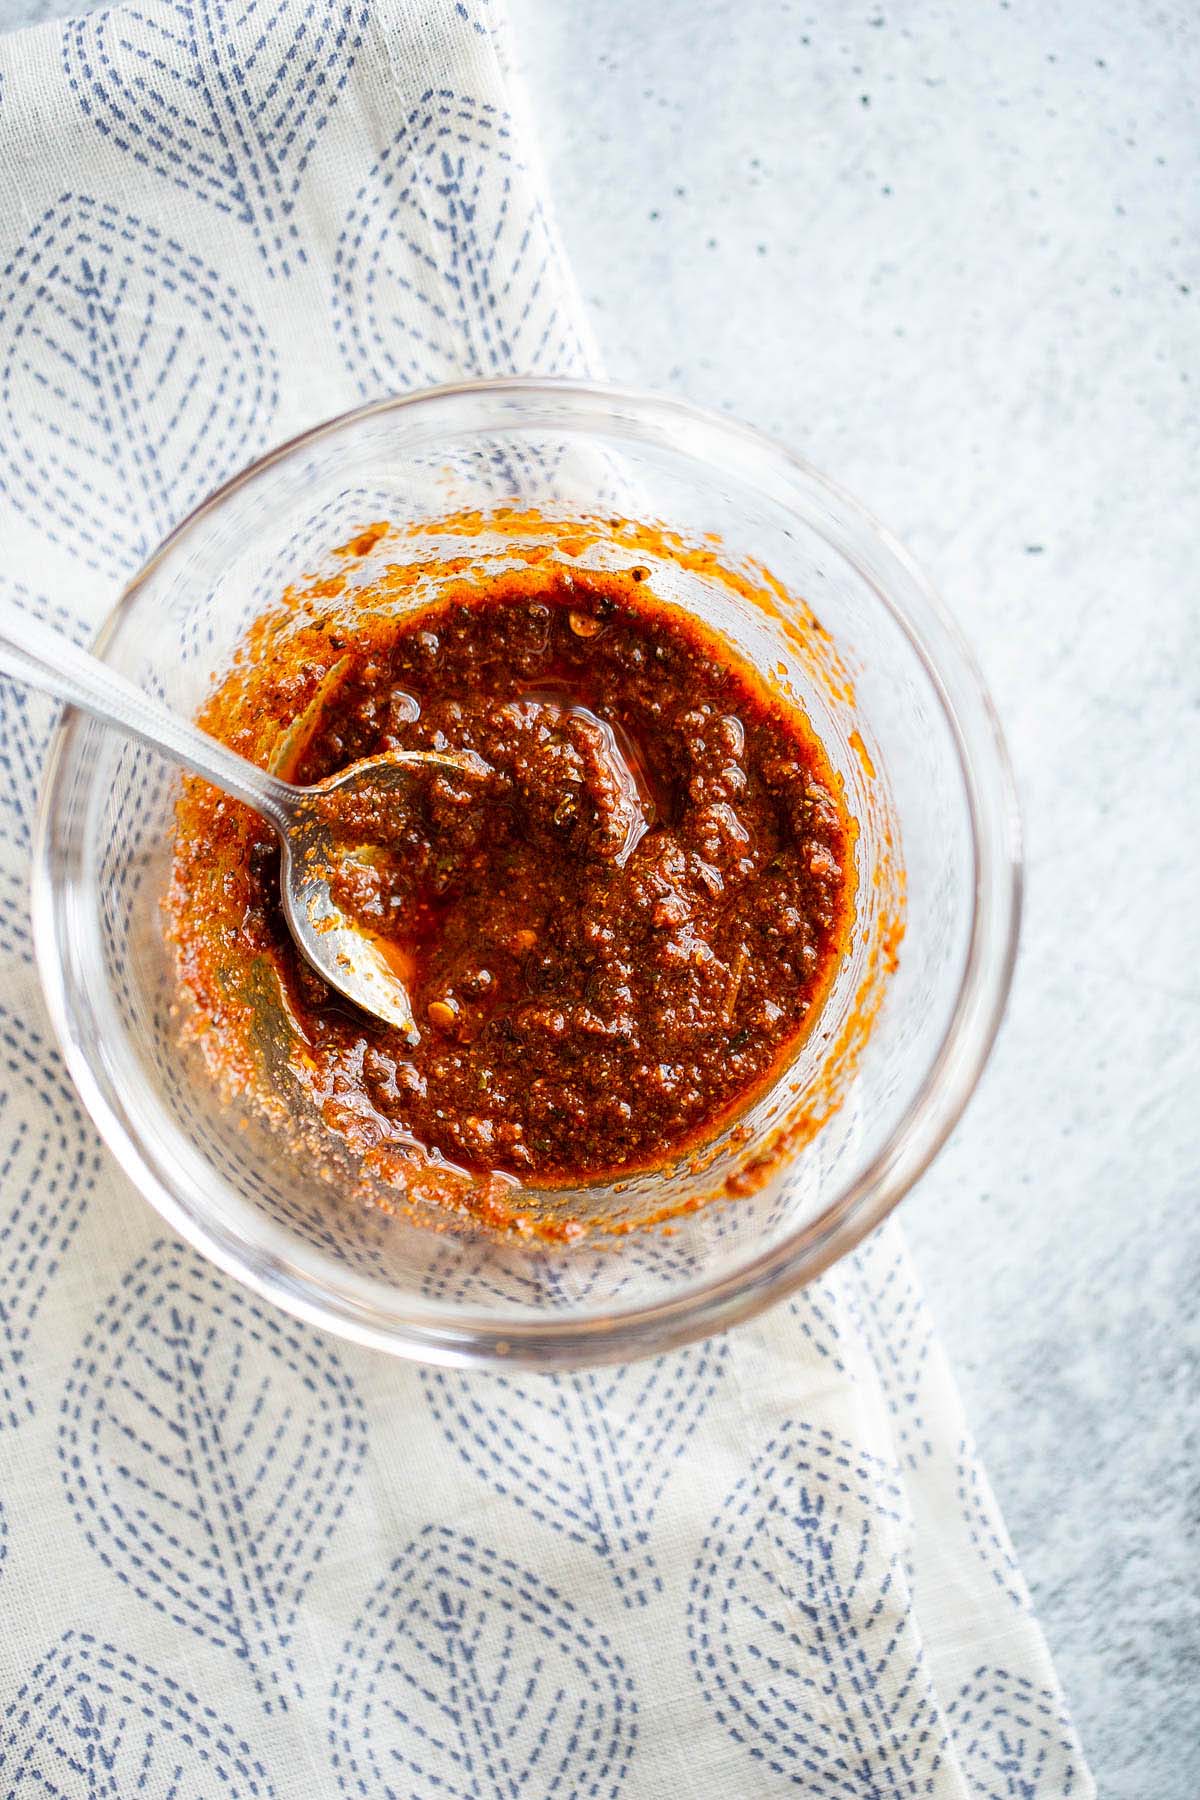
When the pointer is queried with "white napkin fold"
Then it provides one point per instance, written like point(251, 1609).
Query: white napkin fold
point(243, 1558)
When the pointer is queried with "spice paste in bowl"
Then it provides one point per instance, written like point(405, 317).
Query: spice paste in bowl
point(613, 939)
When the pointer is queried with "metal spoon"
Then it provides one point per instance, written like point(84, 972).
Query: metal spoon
point(343, 953)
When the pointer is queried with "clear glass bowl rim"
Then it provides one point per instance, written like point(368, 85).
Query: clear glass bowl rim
point(764, 1278)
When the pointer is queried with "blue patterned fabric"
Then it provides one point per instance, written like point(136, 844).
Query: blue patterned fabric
point(241, 1558)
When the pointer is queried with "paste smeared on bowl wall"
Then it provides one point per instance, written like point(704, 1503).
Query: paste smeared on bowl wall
point(614, 940)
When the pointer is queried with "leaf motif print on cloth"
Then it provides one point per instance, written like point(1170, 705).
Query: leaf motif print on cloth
point(987, 1529)
point(468, 1678)
point(92, 1721)
point(476, 1273)
point(1015, 1741)
point(16, 935)
point(587, 1453)
point(131, 382)
point(815, 1310)
point(26, 721)
point(208, 1447)
point(800, 1626)
point(446, 267)
point(227, 104)
point(48, 1167)
point(896, 1327)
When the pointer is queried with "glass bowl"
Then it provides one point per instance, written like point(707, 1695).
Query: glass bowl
point(805, 583)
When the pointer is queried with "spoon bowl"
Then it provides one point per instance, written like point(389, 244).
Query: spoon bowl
point(367, 968)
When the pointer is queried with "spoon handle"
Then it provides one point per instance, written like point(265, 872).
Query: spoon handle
point(35, 654)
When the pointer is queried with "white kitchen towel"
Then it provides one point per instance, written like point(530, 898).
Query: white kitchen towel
point(241, 1558)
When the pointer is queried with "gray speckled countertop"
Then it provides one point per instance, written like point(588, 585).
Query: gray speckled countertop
point(951, 255)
